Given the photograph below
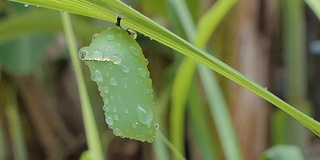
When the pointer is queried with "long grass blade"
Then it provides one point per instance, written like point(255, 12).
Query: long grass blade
point(218, 106)
point(315, 6)
point(91, 128)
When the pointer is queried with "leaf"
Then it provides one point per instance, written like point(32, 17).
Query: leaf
point(22, 55)
point(44, 21)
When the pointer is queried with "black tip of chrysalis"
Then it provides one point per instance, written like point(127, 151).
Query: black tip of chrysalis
point(118, 21)
point(132, 33)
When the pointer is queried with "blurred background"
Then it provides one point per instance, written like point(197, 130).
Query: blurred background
point(276, 43)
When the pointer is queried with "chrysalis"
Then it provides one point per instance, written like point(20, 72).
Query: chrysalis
point(118, 66)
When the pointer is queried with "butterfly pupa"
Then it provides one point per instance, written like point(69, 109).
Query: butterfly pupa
point(119, 68)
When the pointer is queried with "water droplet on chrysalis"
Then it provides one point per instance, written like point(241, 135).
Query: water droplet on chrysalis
point(113, 82)
point(26, 5)
point(116, 117)
point(106, 109)
point(116, 59)
point(134, 125)
point(134, 50)
point(106, 89)
point(142, 72)
point(109, 37)
point(132, 33)
point(83, 53)
point(109, 121)
point(97, 76)
point(144, 115)
point(95, 36)
point(125, 69)
point(106, 101)
point(97, 55)
point(117, 132)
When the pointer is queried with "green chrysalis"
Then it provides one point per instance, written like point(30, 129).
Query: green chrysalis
point(118, 66)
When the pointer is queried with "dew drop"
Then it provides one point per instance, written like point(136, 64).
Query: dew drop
point(97, 76)
point(157, 126)
point(142, 72)
point(116, 117)
point(114, 110)
point(125, 86)
point(117, 132)
point(132, 33)
point(147, 61)
point(26, 5)
point(95, 36)
point(116, 59)
point(136, 81)
point(111, 97)
point(109, 37)
point(106, 101)
point(113, 82)
point(134, 125)
point(134, 50)
point(144, 115)
point(150, 140)
point(126, 110)
point(109, 121)
point(64, 12)
point(83, 53)
point(106, 89)
point(125, 69)
point(106, 109)
point(97, 54)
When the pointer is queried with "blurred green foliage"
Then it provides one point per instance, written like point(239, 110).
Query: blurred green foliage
point(31, 36)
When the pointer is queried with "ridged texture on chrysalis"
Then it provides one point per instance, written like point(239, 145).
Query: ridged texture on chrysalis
point(118, 66)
